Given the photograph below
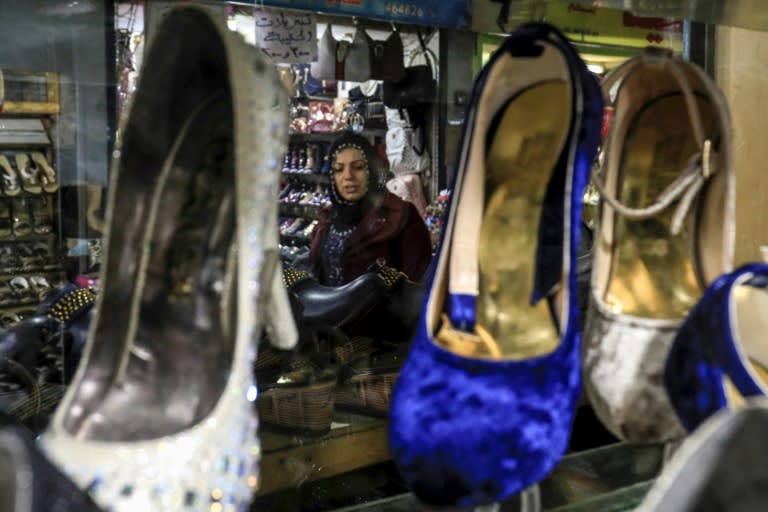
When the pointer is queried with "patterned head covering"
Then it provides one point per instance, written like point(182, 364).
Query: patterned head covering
point(359, 142)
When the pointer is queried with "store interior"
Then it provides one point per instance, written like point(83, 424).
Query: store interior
point(69, 76)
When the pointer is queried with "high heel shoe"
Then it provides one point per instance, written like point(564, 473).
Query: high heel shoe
point(718, 356)
point(485, 401)
point(666, 226)
point(159, 415)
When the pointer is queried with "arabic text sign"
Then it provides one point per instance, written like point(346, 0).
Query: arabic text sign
point(286, 36)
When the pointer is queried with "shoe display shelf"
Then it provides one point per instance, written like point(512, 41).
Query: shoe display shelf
point(612, 478)
point(30, 262)
point(353, 443)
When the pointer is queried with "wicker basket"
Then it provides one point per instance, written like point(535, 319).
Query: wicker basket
point(367, 394)
point(366, 383)
point(356, 347)
point(306, 410)
point(296, 392)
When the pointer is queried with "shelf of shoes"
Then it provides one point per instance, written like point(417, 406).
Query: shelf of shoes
point(304, 192)
point(296, 230)
point(30, 259)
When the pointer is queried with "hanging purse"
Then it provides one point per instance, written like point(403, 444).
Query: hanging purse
point(406, 147)
point(343, 60)
point(356, 64)
point(387, 59)
point(307, 84)
point(418, 85)
point(366, 101)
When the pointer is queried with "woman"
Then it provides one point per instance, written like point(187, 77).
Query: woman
point(365, 223)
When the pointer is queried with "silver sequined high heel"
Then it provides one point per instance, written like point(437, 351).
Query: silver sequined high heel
point(666, 232)
point(160, 413)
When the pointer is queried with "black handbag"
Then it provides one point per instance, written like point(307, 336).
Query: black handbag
point(418, 85)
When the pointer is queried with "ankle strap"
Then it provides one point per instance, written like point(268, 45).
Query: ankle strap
point(659, 57)
point(685, 188)
point(700, 166)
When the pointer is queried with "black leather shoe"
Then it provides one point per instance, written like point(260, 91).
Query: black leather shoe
point(335, 306)
point(73, 307)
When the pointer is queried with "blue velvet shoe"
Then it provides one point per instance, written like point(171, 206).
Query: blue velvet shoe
point(719, 354)
point(485, 401)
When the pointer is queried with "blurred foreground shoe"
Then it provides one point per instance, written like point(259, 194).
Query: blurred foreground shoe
point(719, 356)
point(666, 228)
point(721, 467)
point(159, 415)
point(485, 401)
point(29, 482)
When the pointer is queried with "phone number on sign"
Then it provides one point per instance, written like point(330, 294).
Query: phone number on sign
point(407, 10)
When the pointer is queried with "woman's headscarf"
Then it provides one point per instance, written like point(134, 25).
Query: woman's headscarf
point(350, 212)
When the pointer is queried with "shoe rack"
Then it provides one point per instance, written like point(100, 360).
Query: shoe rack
point(304, 189)
point(30, 259)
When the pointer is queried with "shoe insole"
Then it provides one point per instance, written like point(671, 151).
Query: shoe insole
point(652, 271)
point(183, 337)
point(525, 145)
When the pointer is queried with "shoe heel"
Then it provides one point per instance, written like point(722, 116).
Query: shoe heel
point(278, 319)
point(486, 411)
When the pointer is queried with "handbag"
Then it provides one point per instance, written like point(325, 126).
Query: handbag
point(387, 58)
point(306, 84)
point(406, 148)
point(343, 60)
point(365, 100)
point(418, 85)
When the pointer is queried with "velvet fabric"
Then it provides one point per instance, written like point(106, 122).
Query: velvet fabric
point(705, 351)
point(469, 431)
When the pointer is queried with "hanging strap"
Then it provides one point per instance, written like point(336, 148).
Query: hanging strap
point(700, 166)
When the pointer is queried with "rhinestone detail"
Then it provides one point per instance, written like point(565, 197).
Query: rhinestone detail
point(212, 466)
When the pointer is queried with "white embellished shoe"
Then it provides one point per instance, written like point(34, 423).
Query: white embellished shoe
point(160, 414)
point(666, 232)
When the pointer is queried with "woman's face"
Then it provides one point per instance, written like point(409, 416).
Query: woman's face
point(350, 174)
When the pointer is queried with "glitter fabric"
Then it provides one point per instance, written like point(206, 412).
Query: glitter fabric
point(211, 464)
